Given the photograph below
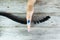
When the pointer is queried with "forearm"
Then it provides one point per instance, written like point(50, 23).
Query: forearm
point(30, 7)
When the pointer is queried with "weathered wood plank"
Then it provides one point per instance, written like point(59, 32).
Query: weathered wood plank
point(46, 6)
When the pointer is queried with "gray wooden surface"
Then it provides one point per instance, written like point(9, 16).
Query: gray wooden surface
point(49, 30)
